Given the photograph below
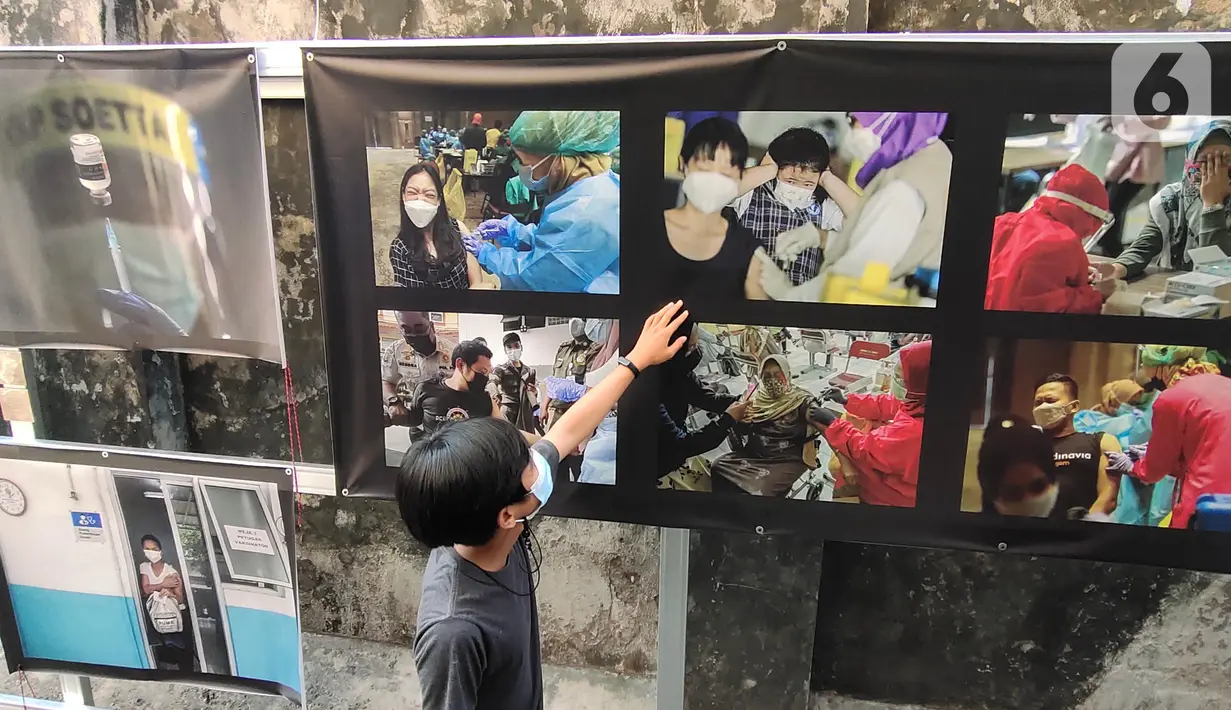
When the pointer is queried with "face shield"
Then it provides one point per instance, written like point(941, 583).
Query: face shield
point(1107, 218)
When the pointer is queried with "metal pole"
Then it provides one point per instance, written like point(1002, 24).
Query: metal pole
point(672, 617)
point(77, 691)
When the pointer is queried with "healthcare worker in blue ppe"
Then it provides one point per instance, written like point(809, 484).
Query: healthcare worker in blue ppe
point(575, 247)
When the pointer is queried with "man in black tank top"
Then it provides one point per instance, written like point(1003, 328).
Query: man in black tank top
point(1081, 459)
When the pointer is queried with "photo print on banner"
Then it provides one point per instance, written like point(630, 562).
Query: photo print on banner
point(1110, 215)
point(829, 207)
point(443, 367)
point(1125, 433)
point(152, 576)
point(798, 413)
point(512, 200)
point(135, 205)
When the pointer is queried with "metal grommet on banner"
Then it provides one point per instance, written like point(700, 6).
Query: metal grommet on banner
point(288, 470)
point(252, 59)
point(782, 45)
point(345, 492)
point(105, 454)
point(760, 530)
point(60, 58)
point(1002, 546)
point(308, 56)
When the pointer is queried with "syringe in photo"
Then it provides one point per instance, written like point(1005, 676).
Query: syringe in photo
point(95, 176)
point(438, 368)
point(821, 415)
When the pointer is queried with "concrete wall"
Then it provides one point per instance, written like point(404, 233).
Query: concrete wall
point(888, 625)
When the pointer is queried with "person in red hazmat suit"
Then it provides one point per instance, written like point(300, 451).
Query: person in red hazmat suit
point(1190, 440)
point(1039, 261)
point(887, 458)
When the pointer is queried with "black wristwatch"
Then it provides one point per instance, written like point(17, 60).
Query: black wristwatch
point(629, 364)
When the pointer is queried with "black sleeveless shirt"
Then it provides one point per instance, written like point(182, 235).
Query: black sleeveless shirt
point(1077, 459)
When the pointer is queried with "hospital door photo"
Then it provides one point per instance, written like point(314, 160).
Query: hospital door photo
point(784, 412)
point(443, 367)
point(1104, 432)
point(165, 572)
point(829, 207)
point(513, 200)
point(1114, 215)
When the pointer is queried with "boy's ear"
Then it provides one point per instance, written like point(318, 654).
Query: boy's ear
point(506, 519)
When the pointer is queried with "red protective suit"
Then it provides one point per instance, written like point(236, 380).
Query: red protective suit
point(888, 457)
point(1191, 441)
point(1038, 262)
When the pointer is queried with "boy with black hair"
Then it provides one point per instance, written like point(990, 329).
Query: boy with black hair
point(467, 491)
point(1080, 459)
point(460, 395)
point(792, 213)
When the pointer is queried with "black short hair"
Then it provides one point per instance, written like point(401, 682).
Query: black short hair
point(151, 538)
point(453, 483)
point(705, 138)
point(800, 147)
point(469, 351)
point(510, 338)
point(1070, 384)
point(498, 124)
point(1008, 440)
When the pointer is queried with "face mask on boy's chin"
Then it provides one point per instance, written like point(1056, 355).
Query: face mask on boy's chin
point(1036, 507)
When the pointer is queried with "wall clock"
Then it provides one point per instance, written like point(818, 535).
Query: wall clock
point(12, 498)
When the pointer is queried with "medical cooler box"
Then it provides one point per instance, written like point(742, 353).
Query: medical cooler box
point(1214, 512)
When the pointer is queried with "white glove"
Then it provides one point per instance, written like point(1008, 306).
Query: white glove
point(774, 280)
point(794, 242)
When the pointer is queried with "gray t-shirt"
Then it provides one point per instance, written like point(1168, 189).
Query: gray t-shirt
point(477, 642)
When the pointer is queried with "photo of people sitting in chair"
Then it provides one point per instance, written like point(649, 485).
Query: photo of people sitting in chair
point(438, 368)
point(513, 200)
point(1125, 433)
point(1114, 215)
point(812, 206)
point(784, 412)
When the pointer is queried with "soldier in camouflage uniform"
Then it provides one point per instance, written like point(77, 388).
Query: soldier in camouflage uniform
point(515, 384)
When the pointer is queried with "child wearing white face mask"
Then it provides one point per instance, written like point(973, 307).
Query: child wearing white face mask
point(711, 253)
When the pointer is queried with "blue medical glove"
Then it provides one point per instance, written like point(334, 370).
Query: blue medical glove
point(1136, 452)
point(496, 230)
point(1119, 463)
point(472, 243)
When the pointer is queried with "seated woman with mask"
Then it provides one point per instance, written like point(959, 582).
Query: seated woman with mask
point(779, 422)
point(1016, 469)
point(428, 249)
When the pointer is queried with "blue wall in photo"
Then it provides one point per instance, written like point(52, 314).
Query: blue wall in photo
point(78, 628)
point(266, 645)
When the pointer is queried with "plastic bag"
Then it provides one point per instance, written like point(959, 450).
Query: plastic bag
point(164, 614)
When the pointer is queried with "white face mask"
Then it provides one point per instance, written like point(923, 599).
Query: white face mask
point(1037, 507)
point(421, 212)
point(860, 144)
point(1050, 415)
point(710, 191)
point(514, 354)
point(793, 196)
point(153, 555)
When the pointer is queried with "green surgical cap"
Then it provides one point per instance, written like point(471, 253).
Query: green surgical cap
point(566, 132)
point(615, 160)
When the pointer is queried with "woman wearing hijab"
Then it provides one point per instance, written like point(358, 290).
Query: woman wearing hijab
point(886, 458)
point(575, 246)
point(778, 423)
point(428, 249)
point(1187, 214)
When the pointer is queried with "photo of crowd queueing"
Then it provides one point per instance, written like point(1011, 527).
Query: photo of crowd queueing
point(513, 200)
point(1106, 432)
point(806, 206)
point(822, 415)
point(443, 367)
point(1114, 215)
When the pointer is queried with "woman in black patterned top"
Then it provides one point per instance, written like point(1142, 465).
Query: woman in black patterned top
point(428, 250)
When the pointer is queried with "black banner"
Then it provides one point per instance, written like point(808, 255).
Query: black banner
point(148, 569)
point(132, 185)
point(830, 211)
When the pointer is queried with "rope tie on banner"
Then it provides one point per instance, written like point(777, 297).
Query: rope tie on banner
point(296, 441)
point(23, 683)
